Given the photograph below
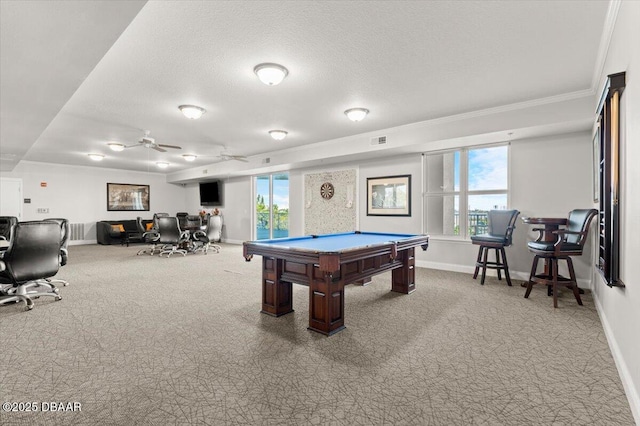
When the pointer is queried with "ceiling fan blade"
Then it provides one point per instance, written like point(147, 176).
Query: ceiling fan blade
point(134, 145)
point(169, 146)
point(157, 148)
point(239, 158)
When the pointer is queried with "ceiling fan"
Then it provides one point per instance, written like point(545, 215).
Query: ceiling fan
point(227, 157)
point(149, 142)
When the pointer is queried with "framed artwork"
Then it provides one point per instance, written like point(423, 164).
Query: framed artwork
point(125, 196)
point(389, 196)
point(596, 164)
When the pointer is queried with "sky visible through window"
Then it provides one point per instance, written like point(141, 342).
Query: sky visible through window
point(280, 190)
point(487, 171)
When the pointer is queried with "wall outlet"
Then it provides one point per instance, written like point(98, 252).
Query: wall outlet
point(43, 210)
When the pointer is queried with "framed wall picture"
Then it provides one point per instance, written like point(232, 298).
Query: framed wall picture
point(389, 196)
point(126, 196)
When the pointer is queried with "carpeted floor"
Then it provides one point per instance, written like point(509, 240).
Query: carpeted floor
point(142, 340)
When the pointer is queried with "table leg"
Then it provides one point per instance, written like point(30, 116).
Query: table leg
point(403, 280)
point(326, 303)
point(277, 297)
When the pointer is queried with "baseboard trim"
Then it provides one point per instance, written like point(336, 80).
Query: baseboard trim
point(627, 383)
point(82, 242)
point(239, 242)
point(467, 269)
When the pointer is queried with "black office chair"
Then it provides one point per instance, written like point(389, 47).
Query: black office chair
point(33, 256)
point(171, 237)
point(182, 219)
point(151, 237)
point(570, 242)
point(204, 240)
point(193, 222)
point(501, 224)
point(65, 232)
point(6, 224)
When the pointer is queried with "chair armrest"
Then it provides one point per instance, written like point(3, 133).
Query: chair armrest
point(2, 237)
point(198, 233)
point(154, 235)
point(540, 233)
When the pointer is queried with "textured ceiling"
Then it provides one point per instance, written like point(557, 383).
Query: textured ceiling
point(405, 61)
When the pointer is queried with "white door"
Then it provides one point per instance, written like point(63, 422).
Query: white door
point(11, 197)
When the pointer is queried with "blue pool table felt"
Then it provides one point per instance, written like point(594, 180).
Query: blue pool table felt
point(336, 242)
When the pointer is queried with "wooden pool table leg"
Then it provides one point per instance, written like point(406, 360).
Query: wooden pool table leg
point(326, 303)
point(277, 298)
point(403, 280)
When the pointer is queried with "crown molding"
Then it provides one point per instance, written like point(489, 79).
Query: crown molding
point(605, 43)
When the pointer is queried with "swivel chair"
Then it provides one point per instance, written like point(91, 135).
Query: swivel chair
point(501, 226)
point(171, 237)
point(65, 231)
point(6, 223)
point(204, 239)
point(570, 242)
point(33, 256)
point(182, 219)
point(150, 237)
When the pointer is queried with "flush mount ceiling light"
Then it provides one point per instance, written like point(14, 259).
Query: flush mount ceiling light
point(189, 157)
point(356, 114)
point(278, 134)
point(162, 164)
point(191, 111)
point(115, 146)
point(96, 157)
point(271, 74)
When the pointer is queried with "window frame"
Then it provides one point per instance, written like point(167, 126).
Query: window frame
point(463, 193)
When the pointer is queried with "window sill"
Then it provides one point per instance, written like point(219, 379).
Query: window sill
point(449, 239)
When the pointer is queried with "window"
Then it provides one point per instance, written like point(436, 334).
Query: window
point(462, 186)
point(271, 206)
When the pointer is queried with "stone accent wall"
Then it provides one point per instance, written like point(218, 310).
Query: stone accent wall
point(337, 214)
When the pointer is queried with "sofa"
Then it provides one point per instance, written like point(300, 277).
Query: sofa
point(110, 232)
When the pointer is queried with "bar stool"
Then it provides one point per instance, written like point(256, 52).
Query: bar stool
point(569, 242)
point(501, 226)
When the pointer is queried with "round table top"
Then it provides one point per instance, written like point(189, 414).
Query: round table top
point(545, 220)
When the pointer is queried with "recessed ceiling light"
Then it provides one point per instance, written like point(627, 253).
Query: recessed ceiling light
point(278, 134)
point(189, 157)
point(271, 74)
point(191, 111)
point(356, 114)
point(115, 146)
point(162, 164)
point(96, 157)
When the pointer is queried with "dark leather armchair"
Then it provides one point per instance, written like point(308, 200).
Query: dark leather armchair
point(501, 224)
point(204, 239)
point(569, 242)
point(33, 256)
point(171, 237)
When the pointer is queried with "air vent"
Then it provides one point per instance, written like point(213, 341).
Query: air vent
point(380, 140)
point(205, 171)
point(76, 231)
point(266, 160)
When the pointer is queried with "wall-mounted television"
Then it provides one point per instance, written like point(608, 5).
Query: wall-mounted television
point(211, 193)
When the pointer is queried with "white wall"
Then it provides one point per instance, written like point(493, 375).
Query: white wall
point(236, 208)
point(619, 308)
point(80, 193)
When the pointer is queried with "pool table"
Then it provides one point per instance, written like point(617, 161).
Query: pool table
point(326, 263)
